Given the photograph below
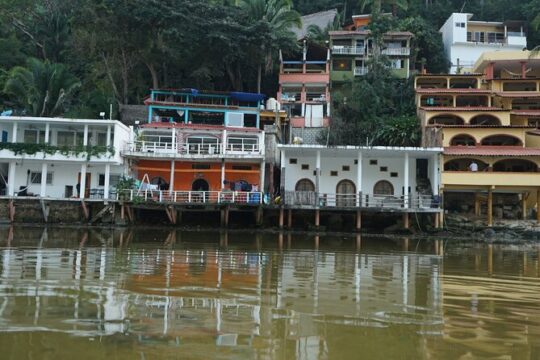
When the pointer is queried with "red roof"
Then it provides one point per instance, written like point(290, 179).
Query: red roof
point(491, 151)
point(519, 94)
point(166, 125)
point(451, 91)
point(526, 112)
point(462, 108)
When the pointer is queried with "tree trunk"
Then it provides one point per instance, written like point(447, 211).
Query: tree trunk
point(125, 77)
point(154, 74)
point(111, 79)
point(259, 78)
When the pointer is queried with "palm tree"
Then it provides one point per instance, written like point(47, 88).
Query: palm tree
point(41, 88)
point(320, 35)
point(280, 18)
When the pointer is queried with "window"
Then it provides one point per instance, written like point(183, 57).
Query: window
point(355, 162)
point(346, 168)
point(383, 187)
point(242, 144)
point(305, 167)
point(341, 65)
point(65, 138)
point(383, 168)
point(460, 25)
point(241, 167)
point(114, 179)
point(101, 139)
point(304, 185)
point(393, 174)
point(200, 166)
point(35, 177)
point(293, 161)
point(333, 173)
point(372, 162)
point(30, 136)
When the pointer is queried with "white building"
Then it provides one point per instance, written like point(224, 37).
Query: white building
point(54, 157)
point(350, 176)
point(465, 40)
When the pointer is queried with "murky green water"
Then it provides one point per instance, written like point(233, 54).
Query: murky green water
point(72, 294)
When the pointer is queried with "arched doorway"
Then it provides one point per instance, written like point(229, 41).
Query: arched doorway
point(484, 120)
point(200, 185)
point(383, 187)
point(446, 119)
point(160, 182)
point(304, 185)
point(515, 165)
point(462, 164)
point(345, 193)
point(462, 140)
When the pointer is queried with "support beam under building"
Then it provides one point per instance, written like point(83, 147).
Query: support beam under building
point(490, 207)
point(317, 218)
point(406, 221)
point(281, 216)
point(289, 219)
point(358, 220)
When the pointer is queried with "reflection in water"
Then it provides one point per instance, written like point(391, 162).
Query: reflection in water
point(226, 295)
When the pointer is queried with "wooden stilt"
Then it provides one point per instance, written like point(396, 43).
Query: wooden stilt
point(477, 204)
point(281, 216)
point(10, 236)
point(317, 218)
point(289, 219)
point(123, 212)
point(406, 222)
point(436, 222)
point(86, 211)
point(224, 239)
point(259, 216)
point(358, 242)
point(11, 211)
point(358, 220)
point(490, 208)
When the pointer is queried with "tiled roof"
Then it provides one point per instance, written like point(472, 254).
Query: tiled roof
point(491, 151)
point(166, 125)
point(519, 94)
point(462, 108)
point(451, 91)
point(526, 112)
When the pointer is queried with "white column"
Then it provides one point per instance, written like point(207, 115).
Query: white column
point(47, 130)
point(85, 137)
point(171, 181)
point(43, 188)
point(14, 133)
point(11, 178)
point(435, 175)
point(406, 181)
point(224, 142)
point(173, 140)
point(107, 183)
point(262, 174)
point(108, 141)
point(82, 183)
point(222, 174)
point(359, 180)
point(318, 172)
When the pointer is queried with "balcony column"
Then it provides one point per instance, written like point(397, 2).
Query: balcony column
point(282, 176)
point(171, 179)
point(43, 187)
point(435, 175)
point(82, 182)
point(47, 130)
point(489, 101)
point(359, 180)
point(317, 174)
point(448, 83)
point(174, 145)
point(224, 142)
point(454, 100)
point(490, 207)
point(222, 174)
point(108, 141)
point(262, 176)
point(14, 133)
point(85, 136)
point(523, 69)
point(406, 181)
point(107, 182)
point(11, 178)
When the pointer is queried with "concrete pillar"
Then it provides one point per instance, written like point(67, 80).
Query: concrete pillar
point(454, 100)
point(43, 187)
point(358, 220)
point(406, 181)
point(289, 219)
point(317, 218)
point(108, 141)
point(281, 216)
point(359, 180)
point(171, 178)
point(85, 135)
point(436, 222)
point(11, 178)
point(82, 191)
point(262, 176)
point(47, 131)
point(317, 173)
point(435, 175)
point(406, 221)
point(107, 182)
point(14, 133)
point(222, 174)
point(477, 204)
point(490, 208)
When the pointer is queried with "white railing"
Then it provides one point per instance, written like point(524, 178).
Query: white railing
point(348, 50)
point(397, 51)
point(360, 71)
point(310, 198)
point(191, 197)
point(240, 147)
point(152, 147)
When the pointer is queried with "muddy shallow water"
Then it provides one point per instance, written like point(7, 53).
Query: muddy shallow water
point(148, 293)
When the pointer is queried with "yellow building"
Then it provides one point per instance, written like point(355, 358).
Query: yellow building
point(487, 122)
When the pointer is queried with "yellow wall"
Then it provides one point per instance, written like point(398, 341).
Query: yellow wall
point(479, 133)
point(485, 179)
point(532, 140)
point(503, 116)
point(490, 160)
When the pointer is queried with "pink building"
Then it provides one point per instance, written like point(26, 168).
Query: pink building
point(304, 86)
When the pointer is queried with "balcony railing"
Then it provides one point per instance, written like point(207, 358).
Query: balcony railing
point(316, 97)
point(240, 146)
point(310, 198)
point(290, 97)
point(360, 71)
point(191, 197)
point(348, 50)
point(397, 51)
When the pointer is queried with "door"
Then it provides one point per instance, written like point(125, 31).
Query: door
point(345, 194)
point(421, 168)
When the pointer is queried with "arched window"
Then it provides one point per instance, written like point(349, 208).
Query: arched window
point(462, 164)
point(484, 120)
point(304, 185)
point(515, 165)
point(383, 187)
point(501, 140)
point(462, 140)
point(345, 193)
point(446, 120)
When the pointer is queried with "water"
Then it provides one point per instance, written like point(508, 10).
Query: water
point(147, 294)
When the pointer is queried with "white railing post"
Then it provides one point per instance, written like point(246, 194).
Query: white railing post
point(204, 197)
point(160, 196)
point(189, 196)
point(174, 196)
point(146, 195)
point(234, 197)
point(131, 195)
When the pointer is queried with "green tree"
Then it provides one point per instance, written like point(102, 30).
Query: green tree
point(41, 88)
point(321, 35)
point(279, 17)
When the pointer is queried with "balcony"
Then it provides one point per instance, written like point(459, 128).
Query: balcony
point(290, 97)
point(481, 178)
point(360, 71)
point(191, 197)
point(316, 97)
point(348, 50)
point(239, 146)
point(397, 51)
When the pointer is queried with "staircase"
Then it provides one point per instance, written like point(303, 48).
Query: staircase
point(423, 186)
